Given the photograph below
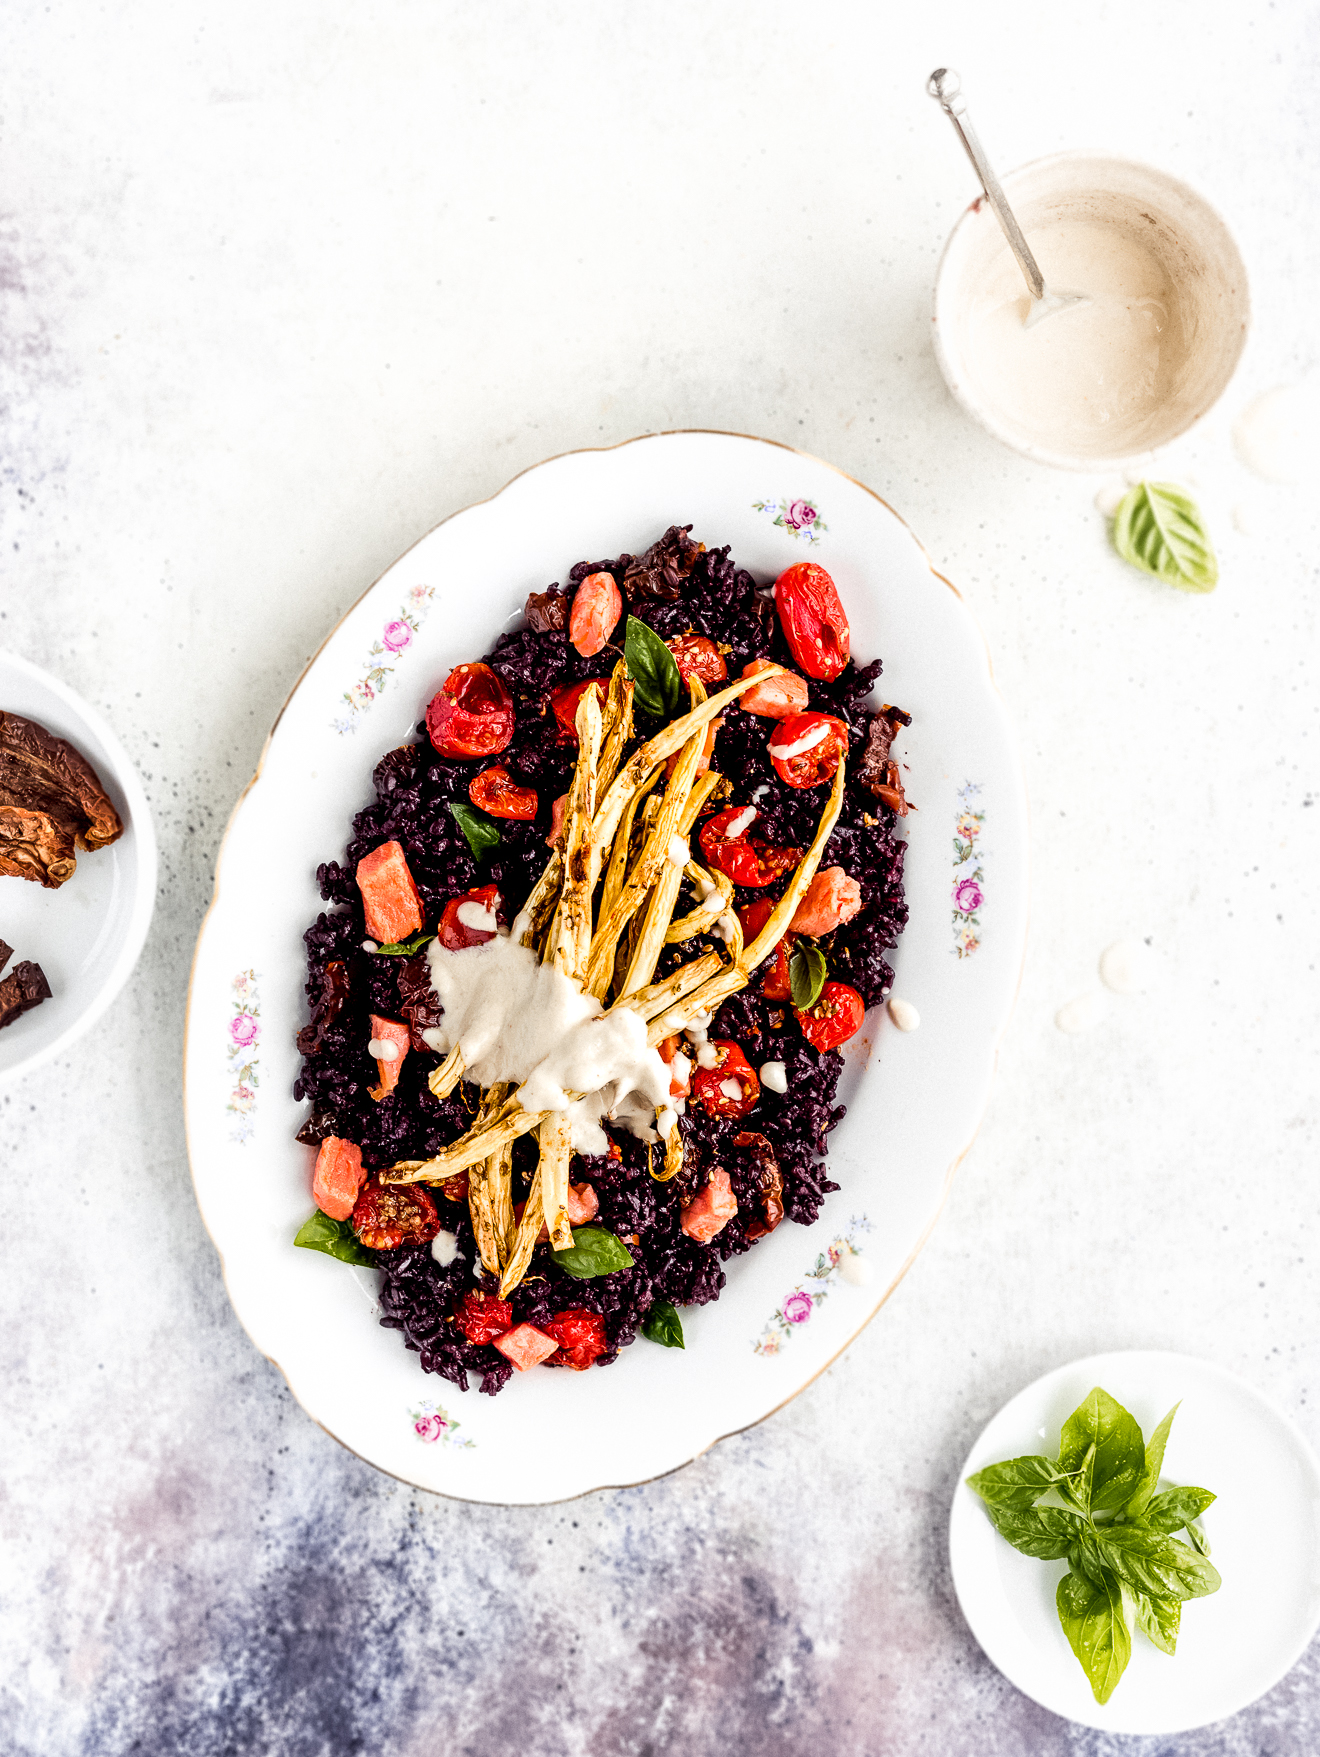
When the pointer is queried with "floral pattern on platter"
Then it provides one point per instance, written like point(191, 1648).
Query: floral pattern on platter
point(796, 1307)
point(968, 873)
point(395, 638)
point(432, 1423)
point(244, 1038)
point(798, 516)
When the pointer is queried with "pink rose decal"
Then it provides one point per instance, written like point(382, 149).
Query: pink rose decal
point(429, 1428)
point(797, 1308)
point(397, 636)
point(800, 514)
point(244, 1030)
point(967, 896)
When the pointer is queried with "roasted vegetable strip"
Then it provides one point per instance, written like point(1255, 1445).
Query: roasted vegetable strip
point(540, 906)
point(556, 1153)
point(570, 932)
point(443, 1079)
point(529, 1229)
point(783, 912)
point(720, 902)
point(482, 1202)
point(673, 1157)
point(616, 726)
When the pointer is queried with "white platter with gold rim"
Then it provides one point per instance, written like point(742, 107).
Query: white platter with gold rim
point(914, 1100)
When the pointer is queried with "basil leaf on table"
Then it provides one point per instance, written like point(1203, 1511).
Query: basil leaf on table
point(1018, 1482)
point(1102, 1442)
point(481, 833)
point(1158, 528)
point(653, 669)
point(405, 948)
point(335, 1237)
point(594, 1251)
point(1093, 1620)
point(1047, 1533)
point(1175, 1508)
point(806, 974)
point(1150, 1474)
point(663, 1325)
point(1152, 1562)
point(1159, 1619)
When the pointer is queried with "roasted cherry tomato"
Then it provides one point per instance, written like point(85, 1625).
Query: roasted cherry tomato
point(472, 714)
point(836, 1016)
point(494, 792)
point(456, 935)
point(812, 619)
point(760, 1159)
point(565, 702)
point(779, 696)
point(806, 748)
point(388, 1215)
point(697, 656)
point(580, 1335)
point(597, 608)
point(746, 863)
point(731, 1087)
point(455, 1189)
point(481, 1317)
point(774, 971)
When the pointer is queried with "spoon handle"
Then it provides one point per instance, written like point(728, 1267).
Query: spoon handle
point(946, 88)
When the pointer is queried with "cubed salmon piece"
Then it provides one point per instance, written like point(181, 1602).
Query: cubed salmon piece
point(829, 900)
point(526, 1346)
point(711, 1209)
point(583, 1204)
point(778, 697)
point(388, 1034)
point(338, 1177)
point(391, 899)
point(558, 812)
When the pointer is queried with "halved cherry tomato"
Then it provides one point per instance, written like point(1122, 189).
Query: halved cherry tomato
point(597, 608)
point(565, 702)
point(778, 697)
point(836, 1016)
point(746, 863)
point(680, 1079)
point(494, 792)
point(481, 1317)
point(455, 1189)
point(809, 766)
point(774, 972)
point(731, 1087)
point(812, 619)
point(580, 1335)
point(388, 1215)
point(455, 935)
point(697, 656)
point(471, 714)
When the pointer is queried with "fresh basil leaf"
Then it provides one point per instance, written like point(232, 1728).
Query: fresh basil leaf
point(1093, 1619)
point(1159, 1619)
point(1150, 1561)
point(807, 971)
point(1044, 1532)
point(652, 667)
point(1158, 528)
point(663, 1325)
point(593, 1252)
point(1102, 1442)
point(335, 1237)
point(1198, 1540)
point(405, 948)
point(1150, 1474)
point(1017, 1482)
point(481, 833)
point(1175, 1508)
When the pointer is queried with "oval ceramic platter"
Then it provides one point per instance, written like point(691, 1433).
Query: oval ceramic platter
point(914, 1101)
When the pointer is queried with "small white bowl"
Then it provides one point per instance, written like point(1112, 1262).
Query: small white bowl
point(1171, 221)
point(87, 934)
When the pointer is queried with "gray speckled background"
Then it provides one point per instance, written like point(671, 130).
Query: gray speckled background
point(279, 288)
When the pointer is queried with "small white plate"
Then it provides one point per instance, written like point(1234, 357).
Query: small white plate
point(1264, 1533)
point(914, 1101)
point(87, 934)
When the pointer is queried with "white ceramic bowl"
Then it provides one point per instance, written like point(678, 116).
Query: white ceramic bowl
point(87, 934)
point(1175, 224)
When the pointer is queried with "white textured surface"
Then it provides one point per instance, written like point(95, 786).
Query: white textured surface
point(280, 287)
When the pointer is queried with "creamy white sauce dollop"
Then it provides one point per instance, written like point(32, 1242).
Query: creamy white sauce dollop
point(526, 1022)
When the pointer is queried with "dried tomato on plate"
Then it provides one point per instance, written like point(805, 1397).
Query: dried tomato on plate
point(471, 714)
point(812, 619)
point(496, 793)
point(388, 1215)
point(731, 1087)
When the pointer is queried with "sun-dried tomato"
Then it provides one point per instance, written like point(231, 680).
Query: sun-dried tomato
point(455, 1189)
point(696, 655)
point(471, 714)
point(546, 612)
point(388, 1215)
point(481, 1317)
point(763, 1164)
point(496, 793)
point(580, 1335)
point(662, 569)
point(731, 1087)
point(327, 1006)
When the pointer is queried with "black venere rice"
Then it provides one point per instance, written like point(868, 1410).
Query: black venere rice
point(413, 789)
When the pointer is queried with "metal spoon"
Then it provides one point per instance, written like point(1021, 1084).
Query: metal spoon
point(946, 88)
